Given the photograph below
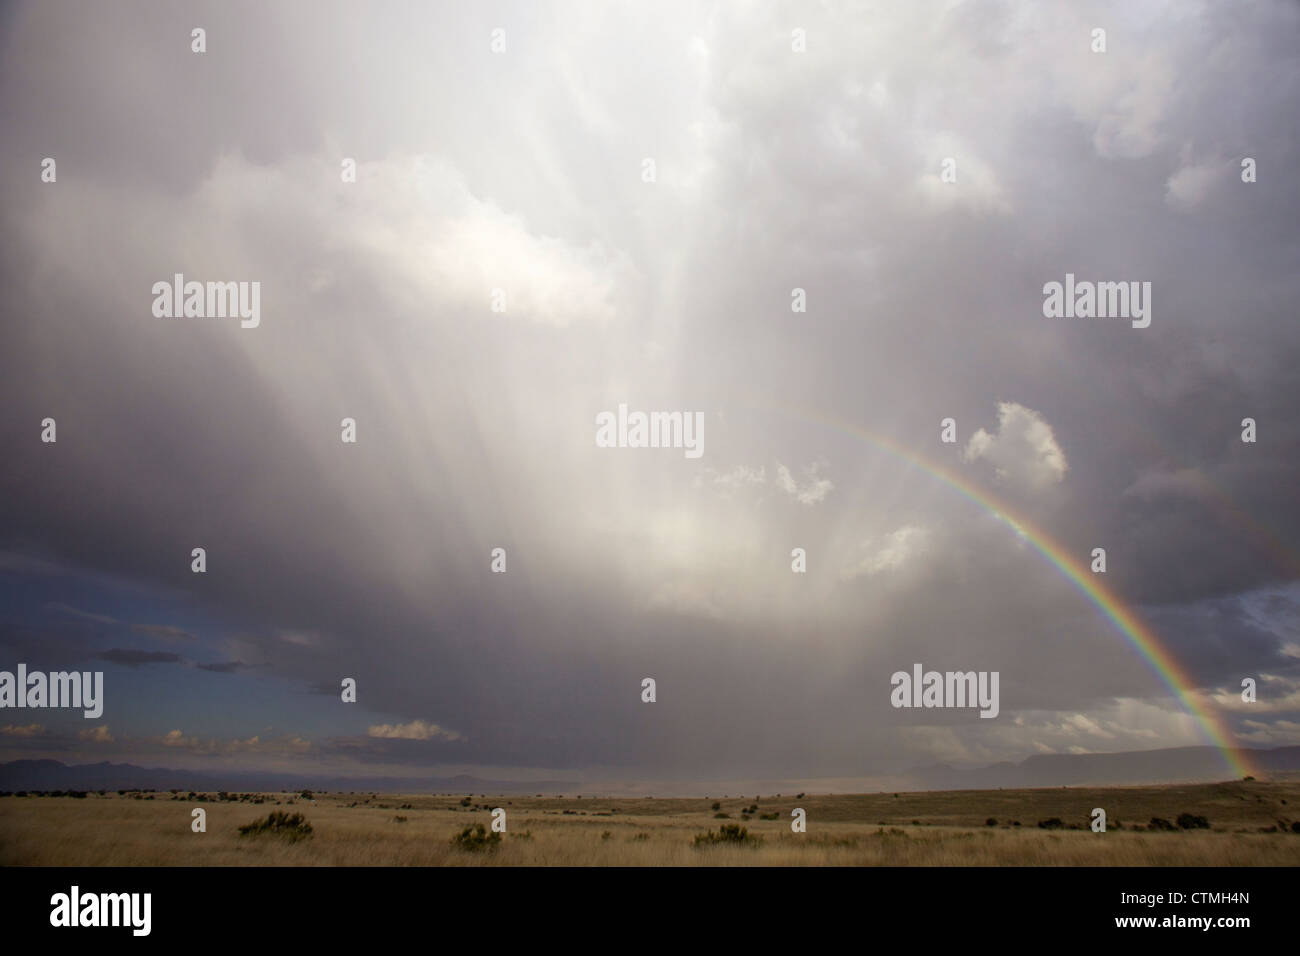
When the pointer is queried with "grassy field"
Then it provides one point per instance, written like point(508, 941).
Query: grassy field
point(1250, 824)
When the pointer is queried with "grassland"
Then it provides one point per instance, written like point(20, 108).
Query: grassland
point(1250, 824)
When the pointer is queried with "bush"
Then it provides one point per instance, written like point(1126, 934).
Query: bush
point(716, 806)
point(476, 839)
point(1189, 822)
point(291, 826)
point(465, 801)
point(728, 833)
point(1053, 823)
point(1295, 827)
point(722, 816)
point(991, 822)
point(1160, 823)
point(769, 816)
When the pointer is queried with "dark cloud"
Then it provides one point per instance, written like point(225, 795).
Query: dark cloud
point(776, 170)
point(135, 658)
point(164, 631)
point(222, 667)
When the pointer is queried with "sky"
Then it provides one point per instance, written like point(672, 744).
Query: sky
point(563, 208)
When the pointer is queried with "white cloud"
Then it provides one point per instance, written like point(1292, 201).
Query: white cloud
point(1279, 733)
point(1023, 450)
point(1080, 722)
point(813, 491)
point(22, 730)
point(1188, 187)
point(1273, 694)
point(976, 185)
point(889, 553)
point(415, 730)
point(740, 476)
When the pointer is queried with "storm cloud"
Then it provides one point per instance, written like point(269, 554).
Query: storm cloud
point(501, 272)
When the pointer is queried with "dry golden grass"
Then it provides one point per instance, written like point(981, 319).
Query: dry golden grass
point(926, 829)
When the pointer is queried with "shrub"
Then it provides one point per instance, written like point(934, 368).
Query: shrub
point(722, 816)
point(1160, 823)
point(476, 838)
point(1052, 823)
point(291, 826)
point(716, 806)
point(1295, 827)
point(728, 833)
point(991, 822)
point(769, 816)
point(1190, 822)
point(465, 801)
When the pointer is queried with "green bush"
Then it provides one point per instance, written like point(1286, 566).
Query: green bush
point(729, 834)
point(476, 839)
point(291, 826)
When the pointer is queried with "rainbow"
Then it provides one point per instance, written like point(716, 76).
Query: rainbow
point(1140, 635)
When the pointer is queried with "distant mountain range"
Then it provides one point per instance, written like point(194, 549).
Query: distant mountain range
point(1176, 765)
point(53, 775)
